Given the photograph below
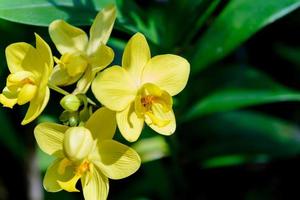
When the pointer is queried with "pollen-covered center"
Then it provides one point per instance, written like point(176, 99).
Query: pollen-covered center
point(154, 104)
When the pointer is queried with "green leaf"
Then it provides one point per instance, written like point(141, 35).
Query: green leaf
point(242, 137)
point(239, 20)
point(231, 99)
point(237, 87)
point(43, 12)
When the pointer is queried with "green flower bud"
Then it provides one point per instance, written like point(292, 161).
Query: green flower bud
point(78, 143)
point(70, 103)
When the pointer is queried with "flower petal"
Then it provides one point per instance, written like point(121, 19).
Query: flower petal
point(102, 57)
point(67, 38)
point(99, 60)
point(169, 72)
point(114, 88)
point(102, 124)
point(44, 52)
point(101, 28)
point(39, 102)
point(117, 160)
point(130, 125)
point(49, 137)
point(8, 98)
point(136, 55)
point(168, 117)
point(15, 54)
point(60, 77)
point(95, 185)
point(60, 170)
point(36, 58)
point(26, 93)
point(36, 106)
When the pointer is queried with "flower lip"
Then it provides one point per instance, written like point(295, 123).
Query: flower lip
point(151, 101)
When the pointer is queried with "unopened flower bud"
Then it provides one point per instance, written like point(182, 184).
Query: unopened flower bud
point(70, 103)
point(78, 143)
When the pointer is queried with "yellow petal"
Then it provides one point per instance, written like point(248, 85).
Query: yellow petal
point(58, 171)
point(85, 81)
point(7, 102)
point(136, 55)
point(95, 185)
point(15, 54)
point(36, 106)
point(101, 58)
point(117, 160)
point(169, 72)
point(39, 102)
point(102, 124)
point(165, 124)
point(27, 93)
point(49, 137)
point(44, 52)
point(101, 28)
point(114, 88)
point(35, 59)
point(70, 185)
point(67, 38)
point(60, 77)
point(130, 125)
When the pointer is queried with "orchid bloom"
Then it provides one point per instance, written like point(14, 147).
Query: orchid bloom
point(30, 70)
point(87, 153)
point(82, 57)
point(142, 89)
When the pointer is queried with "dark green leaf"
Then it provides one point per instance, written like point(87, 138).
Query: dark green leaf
point(242, 137)
point(239, 20)
point(231, 99)
point(43, 12)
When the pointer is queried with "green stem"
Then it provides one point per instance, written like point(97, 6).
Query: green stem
point(63, 92)
point(57, 89)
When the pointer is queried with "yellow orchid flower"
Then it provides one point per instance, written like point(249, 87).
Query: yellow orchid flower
point(81, 57)
point(142, 89)
point(30, 69)
point(87, 153)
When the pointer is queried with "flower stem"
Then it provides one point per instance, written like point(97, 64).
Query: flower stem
point(63, 92)
point(57, 89)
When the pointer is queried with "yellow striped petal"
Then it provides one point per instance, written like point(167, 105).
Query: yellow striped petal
point(67, 38)
point(101, 28)
point(136, 55)
point(169, 72)
point(60, 170)
point(117, 160)
point(130, 125)
point(95, 185)
point(102, 124)
point(49, 137)
point(114, 88)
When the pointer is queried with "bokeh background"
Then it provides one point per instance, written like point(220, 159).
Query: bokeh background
point(238, 133)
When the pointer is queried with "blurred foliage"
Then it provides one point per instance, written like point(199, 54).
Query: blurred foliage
point(238, 134)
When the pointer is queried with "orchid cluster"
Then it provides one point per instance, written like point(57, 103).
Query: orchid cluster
point(139, 91)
